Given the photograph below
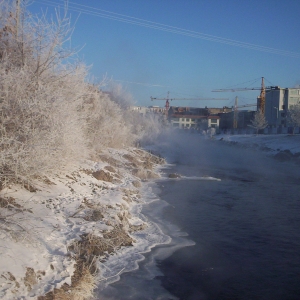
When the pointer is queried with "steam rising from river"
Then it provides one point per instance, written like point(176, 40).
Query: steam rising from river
point(194, 157)
point(199, 151)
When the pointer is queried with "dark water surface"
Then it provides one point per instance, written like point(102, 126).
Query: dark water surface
point(245, 225)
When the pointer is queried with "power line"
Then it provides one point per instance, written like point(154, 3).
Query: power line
point(142, 83)
point(163, 27)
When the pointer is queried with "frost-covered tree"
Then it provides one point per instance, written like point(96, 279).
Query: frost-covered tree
point(147, 127)
point(294, 115)
point(106, 125)
point(45, 100)
point(50, 115)
point(119, 95)
point(40, 93)
point(259, 121)
point(211, 132)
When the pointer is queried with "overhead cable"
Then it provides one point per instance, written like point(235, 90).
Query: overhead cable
point(89, 10)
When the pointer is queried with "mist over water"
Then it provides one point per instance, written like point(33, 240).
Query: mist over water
point(240, 208)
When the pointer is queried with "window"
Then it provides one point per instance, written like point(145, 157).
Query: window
point(283, 106)
point(214, 121)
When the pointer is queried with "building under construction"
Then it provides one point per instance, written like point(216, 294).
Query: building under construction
point(222, 119)
point(274, 102)
point(236, 119)
point(194, 117)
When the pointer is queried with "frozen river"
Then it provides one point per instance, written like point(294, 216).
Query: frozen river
point(241, 209)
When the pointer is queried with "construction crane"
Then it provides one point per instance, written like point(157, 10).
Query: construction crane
point(261, 98)
point(235, 111)
point(167, 105)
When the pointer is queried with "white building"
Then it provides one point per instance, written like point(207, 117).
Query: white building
point(147, 109)
point(278, 102)
point(194, 121)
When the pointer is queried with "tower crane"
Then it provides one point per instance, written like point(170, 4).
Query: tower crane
point(261, 98)
point(235, 111)
point(167, 99)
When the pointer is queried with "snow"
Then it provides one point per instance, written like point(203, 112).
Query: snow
point(36, 236)
point(272, 142)
point(37, 232)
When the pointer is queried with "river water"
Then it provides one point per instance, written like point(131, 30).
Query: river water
point(234, 219)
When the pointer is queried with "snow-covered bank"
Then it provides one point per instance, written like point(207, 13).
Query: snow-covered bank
point(284, 147)
point(57, 231)
point(281, 146)
point(272, 142)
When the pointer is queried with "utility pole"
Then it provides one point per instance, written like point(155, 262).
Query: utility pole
point(235, 113)
point(262, 96)
point(18, 17)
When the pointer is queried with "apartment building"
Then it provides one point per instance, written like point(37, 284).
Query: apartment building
point(278, 102)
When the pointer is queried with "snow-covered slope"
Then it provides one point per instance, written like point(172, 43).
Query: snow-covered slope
point(55, 230)
point(274, 143)
point(283, 147)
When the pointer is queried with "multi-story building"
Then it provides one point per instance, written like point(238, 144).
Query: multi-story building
point(277, 105)
point(192, 117)
point(143, 110)
point(243, 119)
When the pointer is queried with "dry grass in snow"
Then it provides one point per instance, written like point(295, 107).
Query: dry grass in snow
point(55, 235)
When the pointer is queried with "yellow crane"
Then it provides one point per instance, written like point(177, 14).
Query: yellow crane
point(261, 98)
point(167, 99)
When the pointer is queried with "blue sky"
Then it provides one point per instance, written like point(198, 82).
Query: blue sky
point(188, 66)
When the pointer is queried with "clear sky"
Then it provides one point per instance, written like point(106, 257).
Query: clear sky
point(188, 47)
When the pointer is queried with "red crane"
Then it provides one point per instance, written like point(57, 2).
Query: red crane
point(167, 105)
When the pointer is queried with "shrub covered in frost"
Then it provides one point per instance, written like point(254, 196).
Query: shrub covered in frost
point(50, 115)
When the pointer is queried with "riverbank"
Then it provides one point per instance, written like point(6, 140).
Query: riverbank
point(65, 234)
point(283, 147)
point(273, 143)
point(58, 231)
point(244, 223)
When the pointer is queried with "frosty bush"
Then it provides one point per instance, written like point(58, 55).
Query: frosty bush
point(294, 115)
point(142, 129)
point(259, 121)
point(50, 115)
point(40, 95)
point(39, 126)
point(119, 95)
point(105, 125)
point(148, 127)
